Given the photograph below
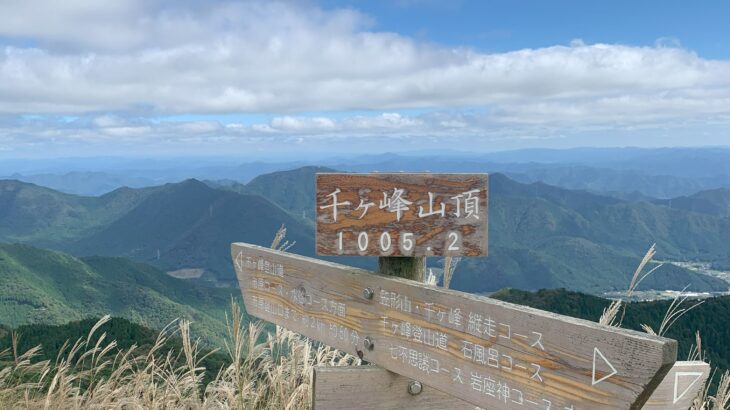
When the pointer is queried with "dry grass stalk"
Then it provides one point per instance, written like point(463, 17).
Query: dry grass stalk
point(450, 263)
point(265, 372)
point(279, 243)
point(610, 314)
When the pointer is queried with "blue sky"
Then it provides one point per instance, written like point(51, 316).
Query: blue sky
point(499, 26)
point(257, 78)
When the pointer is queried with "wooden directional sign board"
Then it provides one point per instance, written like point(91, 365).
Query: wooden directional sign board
point(402, 214)
point(493, 354)
point(374, 388)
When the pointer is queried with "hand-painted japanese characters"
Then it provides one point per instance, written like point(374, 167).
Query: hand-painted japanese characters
point(402, 214)
point(490, 353)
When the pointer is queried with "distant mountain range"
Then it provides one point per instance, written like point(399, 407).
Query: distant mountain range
point(627, 173)
point(712, 202)
point(540, 236)
point(47, 287)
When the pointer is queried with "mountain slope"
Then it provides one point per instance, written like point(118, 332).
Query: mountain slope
point(612, 182)
point(192, 226)
point(293, 190)
point(47, 287)
point(31, 213)
point(712, 202)
point(528, 215)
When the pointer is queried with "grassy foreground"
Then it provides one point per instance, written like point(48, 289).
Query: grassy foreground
point(265, 371)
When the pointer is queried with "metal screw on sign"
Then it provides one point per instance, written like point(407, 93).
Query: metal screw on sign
point(415, 388)
point(368, 293)
point(369, 344)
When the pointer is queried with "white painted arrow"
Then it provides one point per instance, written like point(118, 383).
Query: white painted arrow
point(696, 376)
point(596, 354)
point(239, 260)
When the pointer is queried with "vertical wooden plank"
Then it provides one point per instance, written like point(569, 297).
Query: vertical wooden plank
point(680, 387)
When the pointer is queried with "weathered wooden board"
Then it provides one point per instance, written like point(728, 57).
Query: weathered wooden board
point(374, 388)
point(680, 387)
point(490, 353)
point(416, 214)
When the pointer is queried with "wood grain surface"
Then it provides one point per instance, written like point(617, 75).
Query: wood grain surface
point(490, 353)
point(374, 388)
point(681, 386)
point(408, 214)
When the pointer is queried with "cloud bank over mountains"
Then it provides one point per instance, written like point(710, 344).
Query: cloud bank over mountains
point(85, 71)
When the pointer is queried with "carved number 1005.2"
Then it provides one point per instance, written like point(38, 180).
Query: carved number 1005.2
point(385, 242)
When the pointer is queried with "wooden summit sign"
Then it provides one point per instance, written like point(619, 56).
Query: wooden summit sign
point(402, 214)
point(493, 354)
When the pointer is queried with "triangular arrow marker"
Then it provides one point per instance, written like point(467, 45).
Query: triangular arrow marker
point(239, 260)
point(597, 353)
point(696, 376)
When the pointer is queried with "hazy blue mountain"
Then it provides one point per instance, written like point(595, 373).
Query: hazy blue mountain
point(85, 183)
point(621, 183)
point(192, 225)
point(293, 188)
point(654, 173)
point(712, 202)
point(627, 173)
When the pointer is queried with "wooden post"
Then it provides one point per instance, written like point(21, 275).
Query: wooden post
point(403, 267)
point(413, 268)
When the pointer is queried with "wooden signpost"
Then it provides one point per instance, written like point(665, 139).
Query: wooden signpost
point(402, 214)
point(493, 354)
point(374, 388)
point(440, 348)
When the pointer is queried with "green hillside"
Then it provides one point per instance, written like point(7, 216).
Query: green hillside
point(192, 226)
point(571, 263)
point(710, 319)
point(292, 190)
point(547, 237)
point(712, 202)
point(30, 213)
point(46, 287)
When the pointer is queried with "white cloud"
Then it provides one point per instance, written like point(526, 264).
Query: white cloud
point(140, 58)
